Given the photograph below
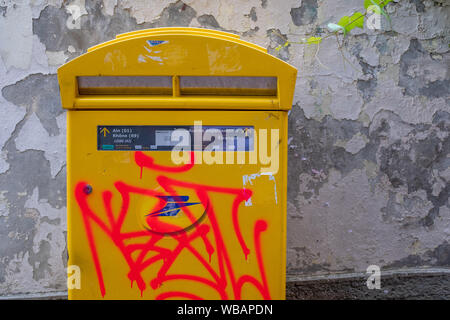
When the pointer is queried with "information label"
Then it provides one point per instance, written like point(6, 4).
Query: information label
point(165, 138)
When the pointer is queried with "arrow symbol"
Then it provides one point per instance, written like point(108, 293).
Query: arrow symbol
point(104, 131)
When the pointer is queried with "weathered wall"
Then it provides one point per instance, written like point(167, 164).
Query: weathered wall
point(369, 163)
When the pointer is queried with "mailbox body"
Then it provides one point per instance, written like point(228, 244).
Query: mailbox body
point(142, 224)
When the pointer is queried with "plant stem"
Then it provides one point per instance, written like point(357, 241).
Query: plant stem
point(335, 32)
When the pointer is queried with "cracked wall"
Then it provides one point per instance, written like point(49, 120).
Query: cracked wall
point(369, 163)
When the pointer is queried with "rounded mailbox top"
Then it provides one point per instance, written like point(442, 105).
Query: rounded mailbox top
point(179, 68)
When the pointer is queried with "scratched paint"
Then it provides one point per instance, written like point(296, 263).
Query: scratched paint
point(150, 55)
point(250, 179)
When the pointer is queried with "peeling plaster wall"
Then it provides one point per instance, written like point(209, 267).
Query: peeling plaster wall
point(369, 163)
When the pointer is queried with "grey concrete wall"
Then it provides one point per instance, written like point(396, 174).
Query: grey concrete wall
point(369, 163)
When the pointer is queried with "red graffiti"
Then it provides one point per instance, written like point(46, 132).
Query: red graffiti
point(220, 279)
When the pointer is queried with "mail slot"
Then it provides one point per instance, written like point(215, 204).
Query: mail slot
point(177, 167)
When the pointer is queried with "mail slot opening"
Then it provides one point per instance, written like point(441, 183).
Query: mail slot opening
point(228, 86)
point(124, 85)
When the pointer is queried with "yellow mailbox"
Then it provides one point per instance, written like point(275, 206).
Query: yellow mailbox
point(177, 167)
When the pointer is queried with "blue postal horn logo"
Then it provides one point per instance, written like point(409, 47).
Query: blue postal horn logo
point(173, 205)
point(153, 43)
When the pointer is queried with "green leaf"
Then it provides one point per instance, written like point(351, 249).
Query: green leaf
point(380, 3)
point(349, 23)
point(357, 20)
point(315, 40)
point(345, 20)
